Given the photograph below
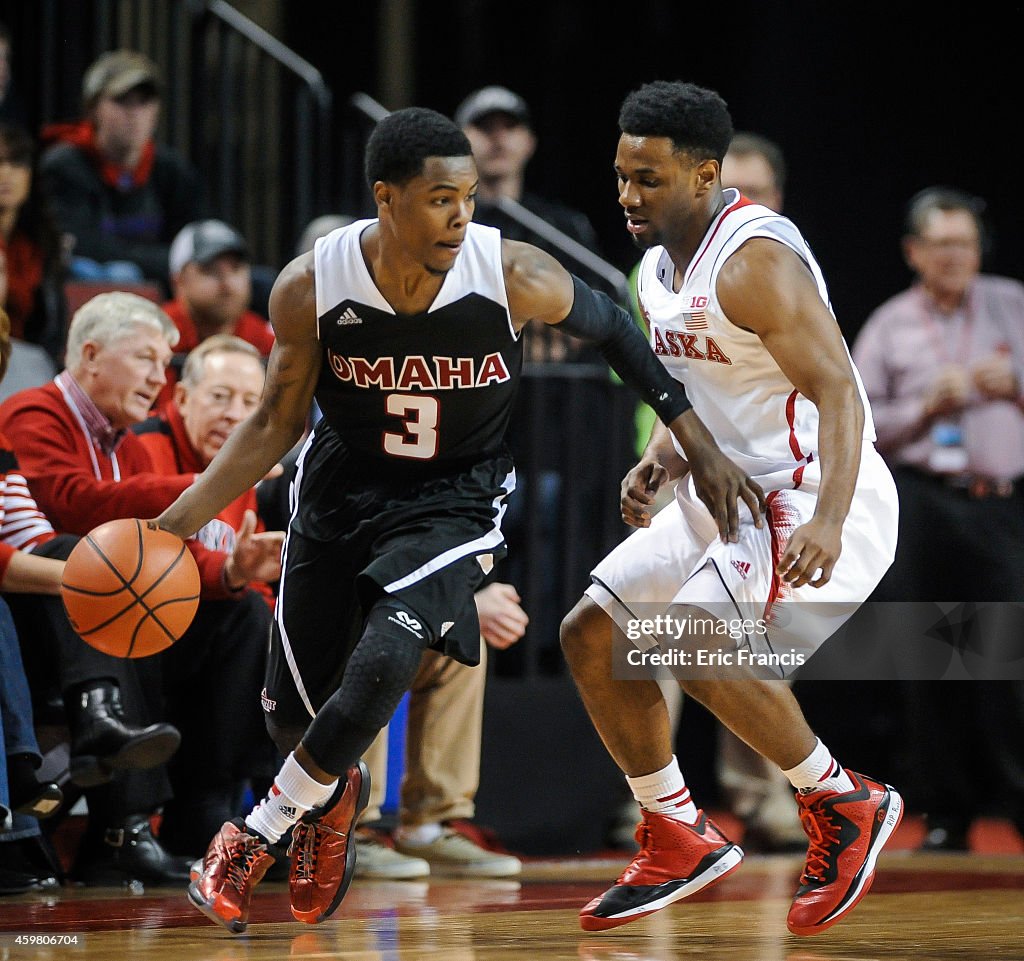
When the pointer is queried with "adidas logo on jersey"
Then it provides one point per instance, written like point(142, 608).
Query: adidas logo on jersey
point(349, 316)
point(743, 567)
point(446, 626)
point(408, 622)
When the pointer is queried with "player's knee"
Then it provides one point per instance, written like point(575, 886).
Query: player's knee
point(582, 630)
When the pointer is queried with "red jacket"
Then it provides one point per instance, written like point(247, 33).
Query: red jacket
point(172, 453)
point(78, 487)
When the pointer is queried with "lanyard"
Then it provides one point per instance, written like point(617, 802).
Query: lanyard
point(936, 333)
point(115, 467)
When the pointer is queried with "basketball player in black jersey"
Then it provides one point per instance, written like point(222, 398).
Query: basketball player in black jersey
point(406, 330)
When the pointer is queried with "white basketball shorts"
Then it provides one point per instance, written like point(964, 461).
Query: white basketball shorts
point(670, 564)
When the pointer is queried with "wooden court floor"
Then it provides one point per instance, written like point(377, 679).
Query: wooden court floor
point(967, 907)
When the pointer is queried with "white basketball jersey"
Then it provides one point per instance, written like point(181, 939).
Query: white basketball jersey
point(760, 420)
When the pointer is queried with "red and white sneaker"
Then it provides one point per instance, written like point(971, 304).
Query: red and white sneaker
point(675, 860)
point(323, 853)
point(234, 864)
point(847, 832)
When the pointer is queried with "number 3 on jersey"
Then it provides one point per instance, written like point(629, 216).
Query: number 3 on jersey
point(419, 419)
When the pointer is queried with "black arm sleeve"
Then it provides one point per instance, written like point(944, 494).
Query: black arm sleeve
point(597, 318)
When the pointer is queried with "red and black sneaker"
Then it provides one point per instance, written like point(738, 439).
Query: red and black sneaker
point(234, 864)
point(675, 860)
point(322, 859)
point(847, 832)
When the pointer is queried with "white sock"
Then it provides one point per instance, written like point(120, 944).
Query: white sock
point(819, 771)
point(665, 792)
point(292, 794)
point(421, 834)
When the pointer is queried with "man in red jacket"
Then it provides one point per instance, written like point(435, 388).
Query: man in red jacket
point(85, 467)
point(220, 386)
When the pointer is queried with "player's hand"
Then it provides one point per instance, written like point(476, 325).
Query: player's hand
point(720, 484)
point(502, 620)
point(256, 557)
point(640, 490)
point(718, 481)
point(811, 553)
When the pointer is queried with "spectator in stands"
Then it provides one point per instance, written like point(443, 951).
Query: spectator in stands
point(85, 467)
point(23, 797)
point(943, 366)
point(104, 741)
point(756, 166)
point(220, 386)
point(497, 122)
point(31, 261)
point(211, 277)
point(120, 195)
point(320, 227)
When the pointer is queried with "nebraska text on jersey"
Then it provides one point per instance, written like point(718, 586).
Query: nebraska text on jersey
point(679, 343)
point(420, 373)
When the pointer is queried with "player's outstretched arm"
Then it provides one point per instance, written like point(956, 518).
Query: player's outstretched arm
point(540, 288)
point(277, 424)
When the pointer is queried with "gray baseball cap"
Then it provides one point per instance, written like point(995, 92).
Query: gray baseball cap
point(204, 240)
point(115, 73)
point(492, 100)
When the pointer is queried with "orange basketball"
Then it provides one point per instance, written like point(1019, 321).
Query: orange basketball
point(130, 589)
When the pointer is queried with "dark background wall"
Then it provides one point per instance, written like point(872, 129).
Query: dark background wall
point(870, 102)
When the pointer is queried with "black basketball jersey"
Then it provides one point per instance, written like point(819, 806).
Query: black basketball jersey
point(424, 388)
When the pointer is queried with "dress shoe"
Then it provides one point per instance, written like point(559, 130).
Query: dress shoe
point(131, 852)
point(102, 743)
point(43, 802)
point(25, 865)
point(38, 799)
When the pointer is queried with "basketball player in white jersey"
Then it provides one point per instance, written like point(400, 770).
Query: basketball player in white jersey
point(738, 310)
point(405, 328)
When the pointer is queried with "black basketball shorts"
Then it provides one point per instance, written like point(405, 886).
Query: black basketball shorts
point(358, 532)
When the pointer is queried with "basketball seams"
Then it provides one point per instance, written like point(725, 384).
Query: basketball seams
point(151, 613)
point(116, 555)
point(140, 555)
point(140, 599)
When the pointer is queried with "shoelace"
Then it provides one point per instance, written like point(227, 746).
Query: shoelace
point(306, 841)
point(240, 863)
point(306, 850)
point(643, 838)
point(824, 834)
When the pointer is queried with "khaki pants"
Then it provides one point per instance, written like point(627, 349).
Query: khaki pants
point(442, 744)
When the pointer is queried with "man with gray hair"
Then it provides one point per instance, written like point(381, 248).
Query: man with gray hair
point(73, 440)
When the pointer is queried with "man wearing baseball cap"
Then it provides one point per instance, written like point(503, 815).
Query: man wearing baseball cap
point(211, 279)
point(499, 126)
point(117, 192)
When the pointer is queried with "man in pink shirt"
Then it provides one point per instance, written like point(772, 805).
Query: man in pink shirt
point(943, 366)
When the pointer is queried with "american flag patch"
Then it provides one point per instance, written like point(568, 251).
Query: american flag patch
point(698, 320)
